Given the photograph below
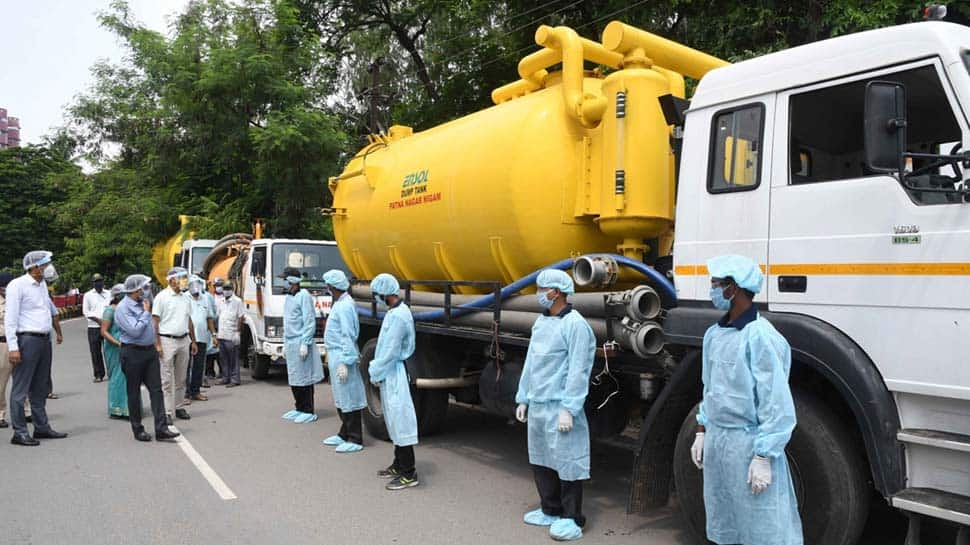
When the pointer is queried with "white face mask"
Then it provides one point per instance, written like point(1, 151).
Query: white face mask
point(50, 274)
point(194, 289)
point(227, 293)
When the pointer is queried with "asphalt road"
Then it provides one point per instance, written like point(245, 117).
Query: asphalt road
point(99, 486)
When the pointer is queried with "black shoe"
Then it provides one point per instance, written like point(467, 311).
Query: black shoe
point(48, 434)
point(182, 414)
point(143, 436)
point(401, 482)
point(164, 435)
point(390, 473)
point(168, 420)
point(232, 385)
point(4, 424)
point(117, 417)
point(24, 440)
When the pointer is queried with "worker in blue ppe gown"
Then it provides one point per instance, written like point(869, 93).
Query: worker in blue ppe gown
point(303, 363)
point(395, 344)
point(746, 417)
point(552, 392)
point(342, 355)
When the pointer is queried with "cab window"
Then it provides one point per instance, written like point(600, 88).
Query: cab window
point(736, 138)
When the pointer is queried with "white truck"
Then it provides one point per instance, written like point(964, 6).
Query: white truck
point(841, 166)
point(260, 285)
point(193, 254)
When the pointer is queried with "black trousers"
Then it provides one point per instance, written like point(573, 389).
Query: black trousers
point(141, 366)
point(404, 460)
point(210, 365)
point(559, 498)
point(94, 345)
point(193, 379)
point(350, 426)
point(303, 398)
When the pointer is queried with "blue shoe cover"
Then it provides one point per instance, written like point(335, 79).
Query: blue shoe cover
point(305, 418)
point(565, 530)
point(538, 518)
point(350, 447)
point(291, 415)
point(333, 441)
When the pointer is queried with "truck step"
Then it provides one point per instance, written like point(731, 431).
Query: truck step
point(934, 503)
point(934, 438)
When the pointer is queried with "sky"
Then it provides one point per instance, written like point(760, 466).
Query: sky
point(50, 47)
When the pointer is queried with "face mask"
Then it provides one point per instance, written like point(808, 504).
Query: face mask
point(227, 293)
point(544, 301)
point(219, 289)
point(720, 303)
point(50, 274)
point(380, 300)
point(99, 286)
point(194, 289)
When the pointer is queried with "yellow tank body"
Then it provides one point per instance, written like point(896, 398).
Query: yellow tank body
point(163, 254)
point(530, 181)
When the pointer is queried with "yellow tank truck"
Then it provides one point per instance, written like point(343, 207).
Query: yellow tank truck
point(595, 161)
point(180, 250)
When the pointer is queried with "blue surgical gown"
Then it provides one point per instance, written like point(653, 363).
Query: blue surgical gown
point(556, 376)
point(395, 344)
point(341, 340)
point(747, 410)
point(299, 325)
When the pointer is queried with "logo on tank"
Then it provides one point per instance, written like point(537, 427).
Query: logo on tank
point(415, 190)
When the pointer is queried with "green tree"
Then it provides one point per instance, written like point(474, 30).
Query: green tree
point(33, 180)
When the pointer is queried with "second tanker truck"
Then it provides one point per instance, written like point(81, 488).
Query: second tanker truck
point(836, 165)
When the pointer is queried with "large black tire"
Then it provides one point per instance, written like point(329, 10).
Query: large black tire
point(827, 469)
point(258, 363)
point(430, 406)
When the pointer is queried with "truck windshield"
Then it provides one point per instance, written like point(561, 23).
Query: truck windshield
point(198, 257)
point(312, 260)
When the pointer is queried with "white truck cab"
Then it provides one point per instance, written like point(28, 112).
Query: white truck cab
point(263, 293)
point(837, 165)
point(194, 253)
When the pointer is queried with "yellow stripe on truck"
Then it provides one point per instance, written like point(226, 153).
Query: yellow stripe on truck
point(848, 269)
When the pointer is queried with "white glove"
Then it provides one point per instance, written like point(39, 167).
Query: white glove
point(304, 350)
point(521, 412)
point(565, 420)
point(697, 450)
point(342, 372)
point(759, 474)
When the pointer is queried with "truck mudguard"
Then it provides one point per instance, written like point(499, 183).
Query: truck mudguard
point(838, 359)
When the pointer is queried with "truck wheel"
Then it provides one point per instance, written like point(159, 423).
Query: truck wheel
point(374, 413)
point(827, 469)
point(259, 364)
point(431, 407)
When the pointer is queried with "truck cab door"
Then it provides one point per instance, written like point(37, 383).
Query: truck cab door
point(887, 266)
point(723, 193)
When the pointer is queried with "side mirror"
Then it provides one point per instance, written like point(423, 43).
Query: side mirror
point(885, 126)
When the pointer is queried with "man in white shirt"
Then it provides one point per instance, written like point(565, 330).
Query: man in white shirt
point(174, 340)
point(28, 319)
point(94, 304)
point(231, 322)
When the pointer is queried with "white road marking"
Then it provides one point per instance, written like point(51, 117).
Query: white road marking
point(210, 475)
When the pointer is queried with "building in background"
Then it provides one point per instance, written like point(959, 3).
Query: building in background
point(9, 130)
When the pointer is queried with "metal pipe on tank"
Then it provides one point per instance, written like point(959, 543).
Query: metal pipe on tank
point(644, 339)
point(641, 303)
point(623, 38)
